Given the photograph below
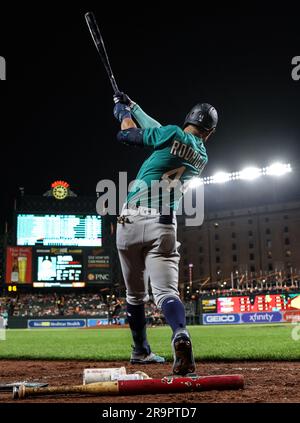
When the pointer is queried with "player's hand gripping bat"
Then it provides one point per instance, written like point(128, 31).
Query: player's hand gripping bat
point(100, 46)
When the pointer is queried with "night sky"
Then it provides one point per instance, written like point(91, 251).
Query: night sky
point(56, 111)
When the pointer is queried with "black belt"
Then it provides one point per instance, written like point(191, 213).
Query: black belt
point(167, 219)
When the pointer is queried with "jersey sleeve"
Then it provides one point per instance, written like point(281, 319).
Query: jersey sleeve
point(159, 137)
point(144, 120)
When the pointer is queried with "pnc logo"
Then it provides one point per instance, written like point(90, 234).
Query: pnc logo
point(103, 277)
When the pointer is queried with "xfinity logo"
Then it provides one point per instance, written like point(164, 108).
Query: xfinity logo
point(257, 317)
point(267, 317)
point(2, 69)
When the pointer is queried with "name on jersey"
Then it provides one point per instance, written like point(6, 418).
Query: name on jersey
point(187, 153)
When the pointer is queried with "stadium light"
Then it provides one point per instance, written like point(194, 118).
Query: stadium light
point(250, 173)
point(221, 177)
point(278, 169)
point(195, 183)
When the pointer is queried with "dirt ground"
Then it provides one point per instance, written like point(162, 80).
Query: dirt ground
point(264, 381)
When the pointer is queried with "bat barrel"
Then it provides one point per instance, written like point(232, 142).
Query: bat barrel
point(100, 46)
point(181, 384)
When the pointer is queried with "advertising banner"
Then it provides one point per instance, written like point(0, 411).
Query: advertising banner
point(274, 317)
point(291, 316)
point(18, 265)
point(98, 266)
point(92, 323)
point(248, 318)
point(56, 323)
point(221, 319)
point(209, 305)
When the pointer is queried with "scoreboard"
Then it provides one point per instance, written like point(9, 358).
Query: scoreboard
point(71, 267)
point(257, 303)
point(59, 250)
point(59, 230)
point(58, 267)
point(251, 303)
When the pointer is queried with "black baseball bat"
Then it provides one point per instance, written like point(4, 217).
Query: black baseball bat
point(100, 46)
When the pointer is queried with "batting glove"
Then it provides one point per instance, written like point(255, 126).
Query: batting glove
point(121, 97)
point(122, 111)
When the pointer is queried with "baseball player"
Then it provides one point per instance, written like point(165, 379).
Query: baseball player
point(146, 230)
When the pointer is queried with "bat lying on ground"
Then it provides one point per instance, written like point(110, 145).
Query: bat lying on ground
point(167, 384)
point(8, 387)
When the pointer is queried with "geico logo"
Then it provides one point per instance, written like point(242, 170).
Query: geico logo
point(214, 319)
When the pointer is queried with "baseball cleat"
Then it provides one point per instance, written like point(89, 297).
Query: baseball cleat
point(145, 358)
point(184, 362)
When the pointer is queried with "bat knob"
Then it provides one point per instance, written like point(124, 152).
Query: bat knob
point(19, 392)
point(15, 392)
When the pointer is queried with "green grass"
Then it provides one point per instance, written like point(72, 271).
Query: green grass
point(247, 342)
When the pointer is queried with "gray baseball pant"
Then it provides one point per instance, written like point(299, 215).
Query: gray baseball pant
point(148, 248)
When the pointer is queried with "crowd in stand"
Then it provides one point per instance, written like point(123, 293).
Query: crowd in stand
point(35, 305)
point(88, 304)
point(249, 290)
point(108, 306)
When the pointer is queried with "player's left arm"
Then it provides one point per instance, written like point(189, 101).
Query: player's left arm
point(129, 133)
point(141, 117)
point(150, 137)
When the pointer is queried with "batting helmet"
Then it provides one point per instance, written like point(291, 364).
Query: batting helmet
point(203, 115)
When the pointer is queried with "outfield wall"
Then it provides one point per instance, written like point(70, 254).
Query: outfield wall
point(63, 322)
point(250, 318)
point(72, 322)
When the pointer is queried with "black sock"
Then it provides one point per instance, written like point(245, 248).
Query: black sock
point(137, 323)
point(174, 312)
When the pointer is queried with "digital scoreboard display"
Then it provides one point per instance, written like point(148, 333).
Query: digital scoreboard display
point(59, 230)
point(209, 305)
point(59, 267)
point(258, 303)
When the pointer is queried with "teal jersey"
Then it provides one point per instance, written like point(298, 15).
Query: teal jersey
point(177, 157)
